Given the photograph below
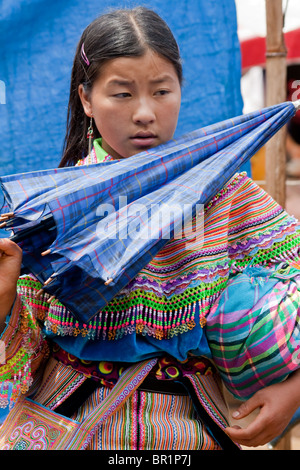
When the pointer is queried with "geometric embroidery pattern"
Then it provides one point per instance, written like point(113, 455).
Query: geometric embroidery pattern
point(31, 426)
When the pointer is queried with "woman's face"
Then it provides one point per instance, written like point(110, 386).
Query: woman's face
point(135, 103)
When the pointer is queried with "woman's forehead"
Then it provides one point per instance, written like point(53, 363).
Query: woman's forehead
point(150, 65)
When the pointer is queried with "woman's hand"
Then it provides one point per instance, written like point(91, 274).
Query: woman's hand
point(277, 404)
point(10, 266)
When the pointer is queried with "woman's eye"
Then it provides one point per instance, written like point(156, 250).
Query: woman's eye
point(162, 92)
point(122, 95)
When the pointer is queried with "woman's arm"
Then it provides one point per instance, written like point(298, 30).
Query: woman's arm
point(26, 349)
point(277, 404)
point(10, 266)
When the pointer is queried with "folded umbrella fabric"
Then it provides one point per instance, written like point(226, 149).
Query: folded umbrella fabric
point(101, 224)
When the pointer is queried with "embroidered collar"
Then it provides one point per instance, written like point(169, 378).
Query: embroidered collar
point(97, 155)
point(101, 154)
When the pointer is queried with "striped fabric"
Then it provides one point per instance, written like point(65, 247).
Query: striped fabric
point(67, 380)
point(209, 393)
point(254, 329)
point(128, 382)
point(150, 421)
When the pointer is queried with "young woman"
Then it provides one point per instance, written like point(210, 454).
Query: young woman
point(125, 96)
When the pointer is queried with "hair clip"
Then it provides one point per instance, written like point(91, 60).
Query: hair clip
point(83, 55)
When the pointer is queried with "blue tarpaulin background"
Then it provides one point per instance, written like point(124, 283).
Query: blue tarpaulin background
point(38, 40)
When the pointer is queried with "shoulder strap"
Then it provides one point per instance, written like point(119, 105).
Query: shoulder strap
point(128, 382)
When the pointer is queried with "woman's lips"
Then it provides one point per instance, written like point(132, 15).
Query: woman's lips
point(144, 140)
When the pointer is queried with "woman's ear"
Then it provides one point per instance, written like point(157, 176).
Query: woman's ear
point(84, 97)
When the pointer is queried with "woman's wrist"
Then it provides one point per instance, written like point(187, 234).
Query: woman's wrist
point(6, 304)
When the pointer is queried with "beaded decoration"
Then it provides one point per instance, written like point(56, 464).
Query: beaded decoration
point(25, 349)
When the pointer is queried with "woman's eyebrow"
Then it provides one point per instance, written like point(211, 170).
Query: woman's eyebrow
point(127, 82)
point(120, 81)
point(162, 79)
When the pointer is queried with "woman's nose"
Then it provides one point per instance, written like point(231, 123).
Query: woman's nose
point(144, 112)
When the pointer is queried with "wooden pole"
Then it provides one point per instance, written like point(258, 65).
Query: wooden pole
point(275, 93)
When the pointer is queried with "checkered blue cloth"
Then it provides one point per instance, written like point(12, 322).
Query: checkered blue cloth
point(105, 215)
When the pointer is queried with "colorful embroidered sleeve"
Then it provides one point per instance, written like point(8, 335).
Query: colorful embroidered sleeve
point(25, 352)
point(259, 228)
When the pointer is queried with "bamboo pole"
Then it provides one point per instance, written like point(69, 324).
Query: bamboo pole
point(275, 93)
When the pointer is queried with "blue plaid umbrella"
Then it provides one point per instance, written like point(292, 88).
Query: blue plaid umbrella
point(100, 225)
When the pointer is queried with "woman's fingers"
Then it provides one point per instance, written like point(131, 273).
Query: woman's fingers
point(10, 248)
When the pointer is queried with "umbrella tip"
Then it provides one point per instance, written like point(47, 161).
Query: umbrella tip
point(39, 293)
point(51, 299)
point(50, 279)
point(296, 104)
point(108, 281)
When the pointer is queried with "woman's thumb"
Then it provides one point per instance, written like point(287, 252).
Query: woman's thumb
point(246, 408)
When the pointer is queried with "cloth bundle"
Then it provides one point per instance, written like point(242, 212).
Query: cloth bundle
point(253, 328)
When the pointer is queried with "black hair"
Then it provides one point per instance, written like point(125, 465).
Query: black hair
point(119, 33)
